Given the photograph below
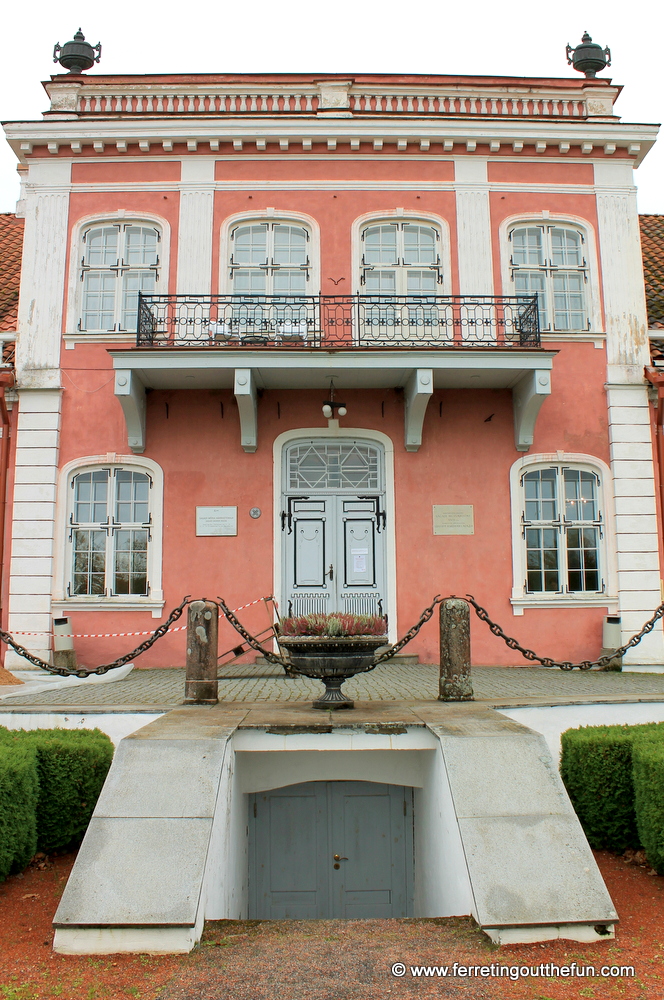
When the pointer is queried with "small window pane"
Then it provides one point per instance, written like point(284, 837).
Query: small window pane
point(91, 497)
point(580, 495)
point(134, 282)
point(542, 560)
point(290, 245)
point(380, 245)
point(541, 495)
point(290, 282)
point(566, 248)
point(419, 245)
point(140, 245)
point(569, 301)
point(101, 247)
point(89, 575)
point(131, 497)
point(530, 283)
point(381, 282)
point(130, 562)
point(249, 282)
point(527, 247)
point(98, 311)
point(251, 245)
point(421, 283)
point(582, 559)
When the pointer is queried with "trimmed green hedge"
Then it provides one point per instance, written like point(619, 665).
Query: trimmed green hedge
point(648, 765)
point(19, 788)
point(598, 768)
point(66, 769)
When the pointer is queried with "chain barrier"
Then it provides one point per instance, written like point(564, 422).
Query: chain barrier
point(104, 668)
point(410, 634)
point(248, 637)
point(547, 661)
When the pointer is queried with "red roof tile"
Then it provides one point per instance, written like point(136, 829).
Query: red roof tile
point(11, 245)
point(652, 248)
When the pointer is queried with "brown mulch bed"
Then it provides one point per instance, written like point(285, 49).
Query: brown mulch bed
point(328, 960)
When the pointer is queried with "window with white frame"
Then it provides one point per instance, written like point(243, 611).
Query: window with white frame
point(562, 530)
point(270, 258)
point(400, 258)
point(549, 260)
point(110, 526)
point(119, 261)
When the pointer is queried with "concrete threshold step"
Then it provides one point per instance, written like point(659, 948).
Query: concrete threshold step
point(401, 659)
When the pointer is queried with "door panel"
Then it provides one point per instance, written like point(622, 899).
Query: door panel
point(309, 552)
point(295, 832)
point(359, 562)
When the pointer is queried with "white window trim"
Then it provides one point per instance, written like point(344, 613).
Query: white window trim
point(401, 215)
point(269, 215)
point(593, 294)
point(72, 334)
point(520, 598)
point(62, 602)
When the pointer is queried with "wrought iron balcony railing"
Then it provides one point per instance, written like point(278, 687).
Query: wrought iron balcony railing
point(338, 322)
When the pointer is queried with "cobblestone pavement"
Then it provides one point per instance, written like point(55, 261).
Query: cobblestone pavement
point(401, 682)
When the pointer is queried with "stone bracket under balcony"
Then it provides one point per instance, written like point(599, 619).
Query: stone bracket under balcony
point(419, 373)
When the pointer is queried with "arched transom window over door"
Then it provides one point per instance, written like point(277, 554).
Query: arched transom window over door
point(400, 258)
point(270, 258)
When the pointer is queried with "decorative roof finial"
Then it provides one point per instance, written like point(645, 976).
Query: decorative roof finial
point(77, 55)
point(588, 57)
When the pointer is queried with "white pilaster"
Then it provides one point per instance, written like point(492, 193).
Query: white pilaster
point(33, 525)
point(195, 229)
point(622, 266)
point(43, 276)
point(636, 516)
point(473, 226)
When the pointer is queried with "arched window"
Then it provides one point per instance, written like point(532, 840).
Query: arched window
point(549, 260)
point(110, 524)
point(269, 258)
point(400, 258)
point(562, 530)
point(119, 260)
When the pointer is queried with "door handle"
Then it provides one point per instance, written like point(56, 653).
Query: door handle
point(337, 858)
point(330, 573)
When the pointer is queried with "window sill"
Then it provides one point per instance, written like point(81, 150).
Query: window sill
point(72, 339)
point(109, 604)
point(598, 339)
point(519, 604)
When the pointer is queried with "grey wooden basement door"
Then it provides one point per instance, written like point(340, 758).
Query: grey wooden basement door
point(295, 833)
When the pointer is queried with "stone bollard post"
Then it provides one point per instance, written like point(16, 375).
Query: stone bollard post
point(201, 685)
point(455, 683)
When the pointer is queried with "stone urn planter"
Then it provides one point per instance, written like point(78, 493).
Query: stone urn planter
point(331, 659)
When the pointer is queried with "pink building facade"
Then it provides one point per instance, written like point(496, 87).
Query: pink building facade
point(454, 260)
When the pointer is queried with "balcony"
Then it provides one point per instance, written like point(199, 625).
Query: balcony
point(338, 322)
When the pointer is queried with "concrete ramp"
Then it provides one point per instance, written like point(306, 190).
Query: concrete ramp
point(137, 884)
point(495, 833)
point(532, 874)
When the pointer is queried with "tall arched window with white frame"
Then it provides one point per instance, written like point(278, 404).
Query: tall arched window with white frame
point(549, 260)
point(562, 530)
point(110, 525)
point(119, 260)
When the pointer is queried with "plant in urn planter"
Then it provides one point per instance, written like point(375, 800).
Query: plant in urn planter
point(332, 648)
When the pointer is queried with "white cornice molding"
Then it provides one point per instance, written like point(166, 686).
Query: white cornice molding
point(171, 129)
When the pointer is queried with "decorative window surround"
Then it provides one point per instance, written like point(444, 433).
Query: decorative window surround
point(592, 288)
point(63, 603)
point(74, 290)
point(440, 225)
point(521, 600)
point(269, 215)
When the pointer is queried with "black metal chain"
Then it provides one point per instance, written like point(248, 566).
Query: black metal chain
point(546, 661)
point(410, 634)
point(104, 668)
point(248, 637)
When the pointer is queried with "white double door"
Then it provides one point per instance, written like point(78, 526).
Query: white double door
point(334, 553)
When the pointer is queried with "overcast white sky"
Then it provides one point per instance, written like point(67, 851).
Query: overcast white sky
point(348, 36)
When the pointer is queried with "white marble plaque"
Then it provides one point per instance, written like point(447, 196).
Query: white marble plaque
point(216, 520)
point(453, 519)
